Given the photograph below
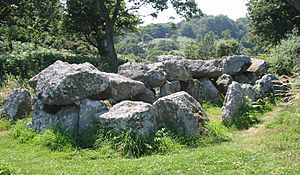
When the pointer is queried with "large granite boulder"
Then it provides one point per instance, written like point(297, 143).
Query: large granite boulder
point(62, 83)
point(18, 104)
point(205, 68)
point(182, 113)
point(258, 67)
point(233, 103)
point(175, 70)
point(139, 117)
point(147, 74)
point(169, 87)
point(121, 88)
point(236, 64)
point(148, 96)
point(66, 117)
point(223, 83)
point(202, 90)
point(89, 110)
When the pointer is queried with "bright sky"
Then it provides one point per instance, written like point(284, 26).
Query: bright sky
point(234, 9)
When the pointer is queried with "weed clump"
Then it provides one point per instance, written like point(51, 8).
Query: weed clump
point(55, 140)
point(132, 145)
point(6, 169)
point(21, 132)
point(251, 112)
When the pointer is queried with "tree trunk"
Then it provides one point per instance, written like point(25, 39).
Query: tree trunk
point(109, 32)
point(295, 3)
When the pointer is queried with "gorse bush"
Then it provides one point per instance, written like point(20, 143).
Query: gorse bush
point(284, 59)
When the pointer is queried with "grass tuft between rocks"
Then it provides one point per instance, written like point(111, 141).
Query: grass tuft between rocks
point(117, 143)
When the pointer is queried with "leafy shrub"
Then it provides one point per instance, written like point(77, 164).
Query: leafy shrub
point(227, 47)
point(55, 140)
point(6, 169)
point(284, 59)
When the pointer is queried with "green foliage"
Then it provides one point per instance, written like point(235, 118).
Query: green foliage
point(9, 83)
point(271, 20)
point(227, 47)
point(6, 169)
point(21, 132)
point(127, 143)
point(32, 20)
point(5, 124)
point(28, 64)
point(55, 140)
point(162, 44)
point(203, 48)
point(159, 30)
point(133, 145)
point(251, 112)
point(84, 19)
point(284, 59)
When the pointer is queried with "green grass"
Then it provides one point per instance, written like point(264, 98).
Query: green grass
point(214, 112)
point(271, 147)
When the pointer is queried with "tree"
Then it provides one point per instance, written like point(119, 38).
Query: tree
point(159, 30)
point(112, 10)
point(204, 48)
point(6, 7)
point(227, 47)
point(84, 19)
point(30, 20)
point(271, 20)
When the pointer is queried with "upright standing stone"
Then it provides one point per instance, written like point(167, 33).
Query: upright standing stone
point(233, 103)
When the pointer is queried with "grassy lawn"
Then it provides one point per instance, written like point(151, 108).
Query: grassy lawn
point(271, 147)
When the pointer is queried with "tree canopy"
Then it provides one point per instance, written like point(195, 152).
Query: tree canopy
point(271, 20)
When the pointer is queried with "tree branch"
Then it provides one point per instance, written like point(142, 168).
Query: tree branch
point(116, 11)
point(89, 40)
